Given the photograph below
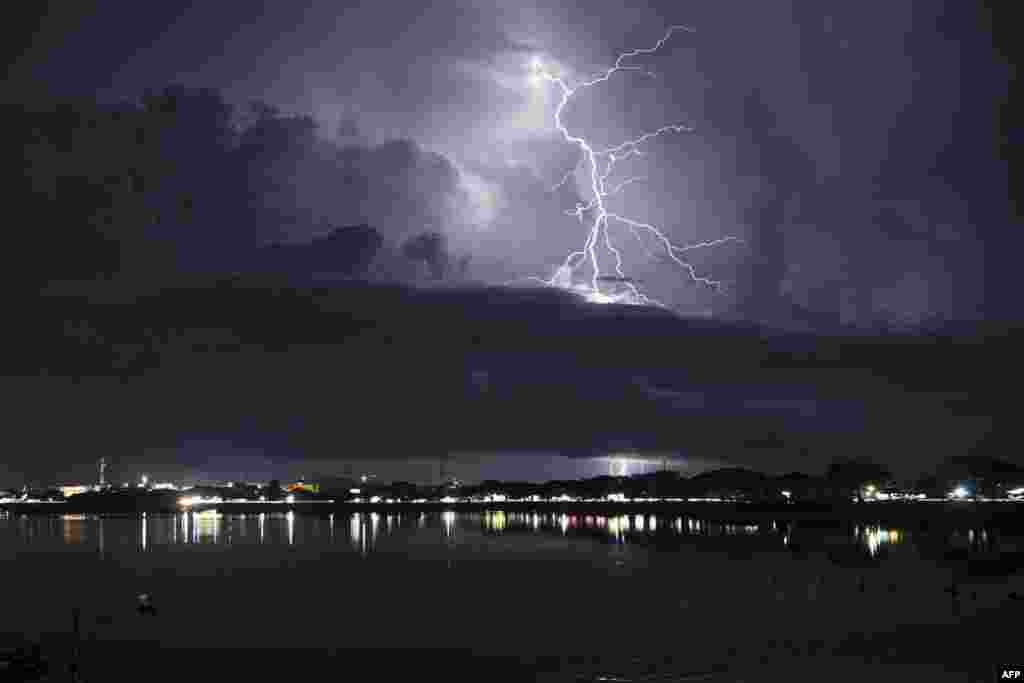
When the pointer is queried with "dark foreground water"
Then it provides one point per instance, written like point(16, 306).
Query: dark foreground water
point(501, 596)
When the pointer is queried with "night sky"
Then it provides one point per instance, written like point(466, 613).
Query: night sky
point(860, 159)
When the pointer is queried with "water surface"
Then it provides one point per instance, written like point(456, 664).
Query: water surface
point(704, 594)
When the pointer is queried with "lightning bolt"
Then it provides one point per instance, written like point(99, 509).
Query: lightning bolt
point(601, 164)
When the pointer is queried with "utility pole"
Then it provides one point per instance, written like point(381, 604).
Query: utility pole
point(103, 472)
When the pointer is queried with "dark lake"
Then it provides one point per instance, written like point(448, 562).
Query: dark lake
point(562, 596)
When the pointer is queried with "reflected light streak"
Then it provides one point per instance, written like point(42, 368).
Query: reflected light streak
point(616, 526)
point(495, 521)
point(355, 529)
point(448, 517)
point(873, 537)
point(206, 526)
point(73, 533)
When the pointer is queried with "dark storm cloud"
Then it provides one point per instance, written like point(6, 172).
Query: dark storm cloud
point(397, 186)
point(799, 114)
point(347, 251)
point(850, 152)
point(368, 372)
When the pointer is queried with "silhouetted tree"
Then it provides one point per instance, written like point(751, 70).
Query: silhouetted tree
point(273, 490)
point(854, 474)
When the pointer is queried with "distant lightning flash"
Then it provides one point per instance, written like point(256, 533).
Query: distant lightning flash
point(602, 162)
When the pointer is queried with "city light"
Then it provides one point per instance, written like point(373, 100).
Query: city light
point(190, 501)
point(69, 491)
point(290, 498)
point(959, 492)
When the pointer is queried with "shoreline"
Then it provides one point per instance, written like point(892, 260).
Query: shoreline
point(956, 513)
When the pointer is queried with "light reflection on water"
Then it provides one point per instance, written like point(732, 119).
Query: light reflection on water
point(364, 532)
point(874, 538)
point(688, 588)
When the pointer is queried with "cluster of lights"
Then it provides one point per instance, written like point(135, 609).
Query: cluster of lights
point(563, 498)
point(190, 501)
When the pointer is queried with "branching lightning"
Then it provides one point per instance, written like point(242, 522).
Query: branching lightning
point(601, 164)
